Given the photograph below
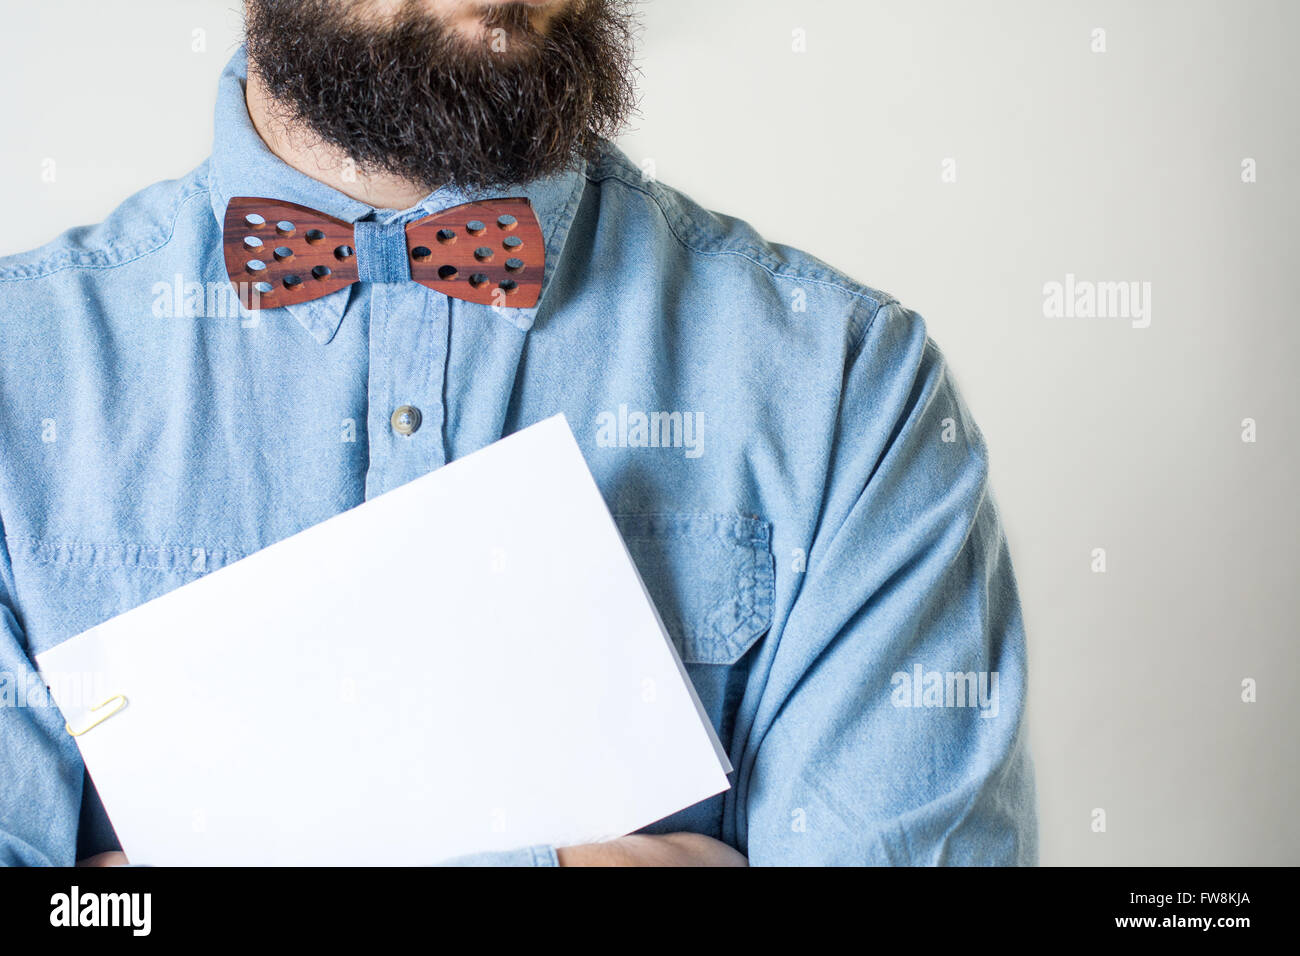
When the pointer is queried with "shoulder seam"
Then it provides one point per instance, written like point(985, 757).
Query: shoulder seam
point(66, 260)
point(859, 336)
point(669, 219)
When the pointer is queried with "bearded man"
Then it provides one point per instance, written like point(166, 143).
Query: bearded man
point(822, 546)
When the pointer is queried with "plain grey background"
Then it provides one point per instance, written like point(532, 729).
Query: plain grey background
point(1122, 165)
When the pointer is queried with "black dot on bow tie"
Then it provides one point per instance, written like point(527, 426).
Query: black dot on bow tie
point(314, 236)
point(292, 281)
point(478, 279)
point(483, 254)
point(447, 272)
point(283, 254)
point(421, 253)
point(446, 236)
point(254, 220)
point(475, 227)
point(512, 242)
point(284, 227)
point(344, 252)
point(507, 222)
point(256, 265)
point(321, 272)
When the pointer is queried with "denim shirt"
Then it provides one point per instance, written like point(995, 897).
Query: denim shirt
point(784, 450)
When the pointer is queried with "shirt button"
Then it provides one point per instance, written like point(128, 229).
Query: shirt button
point(406, 420)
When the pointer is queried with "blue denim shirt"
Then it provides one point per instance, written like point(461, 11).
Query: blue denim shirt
point(784, 450)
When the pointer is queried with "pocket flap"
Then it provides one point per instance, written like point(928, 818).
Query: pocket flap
point(711, 576)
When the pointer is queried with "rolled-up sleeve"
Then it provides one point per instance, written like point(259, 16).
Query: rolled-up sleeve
point(539, 855)
point(891, 728)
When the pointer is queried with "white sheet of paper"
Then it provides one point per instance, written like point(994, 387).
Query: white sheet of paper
point(469, 662)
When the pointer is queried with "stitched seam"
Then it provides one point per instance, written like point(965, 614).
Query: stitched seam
point(88, 568)
point(761, 583)
point(755, 580)
point(176, 214)
point(78, 543)
point(550, 241)
point(731, 641)
point(855, 343)
point(544, 855)
point(107, 556)
point(764, 590)
point(800, 275)
point(742, 528)
point(178, 567)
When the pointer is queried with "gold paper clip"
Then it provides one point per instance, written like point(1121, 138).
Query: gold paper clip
point(118, 699)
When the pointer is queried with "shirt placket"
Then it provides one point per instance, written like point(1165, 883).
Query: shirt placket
point(408, 361)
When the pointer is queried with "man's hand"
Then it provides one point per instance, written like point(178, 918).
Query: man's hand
point(669, 849)
point(111, 858)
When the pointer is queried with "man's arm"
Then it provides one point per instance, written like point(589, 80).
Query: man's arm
point(643, 849)
point(669, 849)
point(891, 727)
point(637, 849)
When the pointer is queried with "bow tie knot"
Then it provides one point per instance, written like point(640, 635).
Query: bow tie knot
point(381, 252)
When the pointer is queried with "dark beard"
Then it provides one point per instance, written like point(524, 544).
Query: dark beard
point(413, 99)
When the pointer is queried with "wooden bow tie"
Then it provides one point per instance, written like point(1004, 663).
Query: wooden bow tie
point(279, 253)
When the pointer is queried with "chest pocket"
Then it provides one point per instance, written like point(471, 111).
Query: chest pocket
point(66, 587)
point(711, 577)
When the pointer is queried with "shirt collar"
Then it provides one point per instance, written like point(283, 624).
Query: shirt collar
point(242, 165)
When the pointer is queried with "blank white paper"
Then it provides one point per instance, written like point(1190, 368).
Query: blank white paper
point(469, 662)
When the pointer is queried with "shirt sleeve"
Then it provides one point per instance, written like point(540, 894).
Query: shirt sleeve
point(41, 772)
point(891, 724)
